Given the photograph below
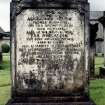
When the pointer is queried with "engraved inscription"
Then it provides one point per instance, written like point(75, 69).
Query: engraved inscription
point(50, 49)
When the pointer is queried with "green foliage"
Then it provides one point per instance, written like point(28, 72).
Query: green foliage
point(97, 91)
point(5, 80)
point(5, 48)
point(99, 62)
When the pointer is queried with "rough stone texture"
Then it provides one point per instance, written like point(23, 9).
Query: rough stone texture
point(51, 101)
point(100, 46)
point(50, 50)
point(64, 103)
point(94, 16)
point(102, 21)
point(50, 47)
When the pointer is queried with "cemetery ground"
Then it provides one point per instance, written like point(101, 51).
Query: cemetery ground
point(97, 86)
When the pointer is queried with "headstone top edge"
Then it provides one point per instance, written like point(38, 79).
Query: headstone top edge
point(49, 0)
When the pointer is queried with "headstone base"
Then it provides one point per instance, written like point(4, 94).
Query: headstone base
point(51, 101)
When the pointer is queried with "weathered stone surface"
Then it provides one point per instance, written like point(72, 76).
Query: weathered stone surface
point(93, 35)
point(50, 47)
point(102, 21)
point(73, 103)
point(50, 50)
point(51, 101)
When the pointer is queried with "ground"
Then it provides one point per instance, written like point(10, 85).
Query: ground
point(5, 80)
point(97, 87)
point(99, 62)
point(97, 91)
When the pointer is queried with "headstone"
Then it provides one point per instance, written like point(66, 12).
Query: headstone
point(1, 38)
point(50, 51)
point(102, 69)
point(102, 21)
point(93, 35)
point(100, 46)
point(94, 16)
point(1, 57)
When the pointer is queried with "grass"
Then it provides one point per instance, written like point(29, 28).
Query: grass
point(97, 87)
point(99, 62)
point(97, 91)
point(5, 80)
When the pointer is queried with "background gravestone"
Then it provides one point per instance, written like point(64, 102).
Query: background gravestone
point(93, 35)
point(1, 36)
point(96, 39)
point(102, 21)
point(50, 46)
